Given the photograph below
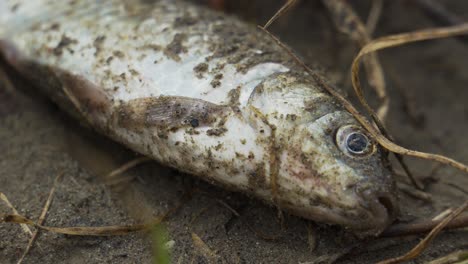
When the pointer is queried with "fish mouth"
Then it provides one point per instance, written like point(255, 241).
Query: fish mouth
point(379, 207)
point(375, 209)
point(373, 212)
point(371, 206)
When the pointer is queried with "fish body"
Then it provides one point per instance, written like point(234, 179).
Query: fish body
point(206, 94)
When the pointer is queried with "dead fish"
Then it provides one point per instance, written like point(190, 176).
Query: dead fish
point(206, 94)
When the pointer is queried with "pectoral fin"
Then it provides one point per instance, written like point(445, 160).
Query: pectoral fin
point(169, 112)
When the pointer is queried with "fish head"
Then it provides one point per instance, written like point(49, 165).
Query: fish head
point(335, 173)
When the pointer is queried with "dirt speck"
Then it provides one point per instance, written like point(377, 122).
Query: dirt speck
point(200, 69)
point(176, 47)
point(98, 43)
point(119, 54)
point(216, 131)
point(216, 80)
point(64, 43)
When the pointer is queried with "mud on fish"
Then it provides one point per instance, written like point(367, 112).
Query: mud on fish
point(208, 95)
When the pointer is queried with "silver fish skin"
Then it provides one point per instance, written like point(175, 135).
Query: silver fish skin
point(206, 94)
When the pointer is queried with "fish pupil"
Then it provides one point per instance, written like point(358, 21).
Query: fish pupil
point(357, 143)
point(194, 122)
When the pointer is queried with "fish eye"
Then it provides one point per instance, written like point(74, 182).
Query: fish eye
point(357, 143)
point(353, 141)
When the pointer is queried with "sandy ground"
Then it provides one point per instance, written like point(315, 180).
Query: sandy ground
point(428, 87)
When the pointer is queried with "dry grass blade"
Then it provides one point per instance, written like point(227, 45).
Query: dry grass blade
point(335, 256)
point(203, 249)
point(312, 239)
point(84, 231)
point(409, 190)
point(398, 230)
point(392, 41)
point(443, 214)
point(112, 179)
point(227, 206)
point(436, 10)
point(94, 231)
point(348, 22)
point(452, 258)
point(5, 80)
point(25, 227)
point(419, 248)
point(281, 11)
point(405, 38)
point(41, 217)
point(374, 15)
point(401, 161)
point(127, 166)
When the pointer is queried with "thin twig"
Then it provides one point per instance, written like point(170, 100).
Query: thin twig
point(438, 12)
point(405, 167)
point(457, 187)
point(42, 217)
point(442, 215)
point(348, 22)
point(312, 239)
point(419, 248)
point(25, 227)
point(452, 258)
point(94, 231)
point(82, 231)
point(228, 207)
point(392, 41)
point(441, 15)
point(374, 15)
point(6, 81)
point(415, 193)
point(111, 178)
point(335, 256)
point(285, 8)
point(203, 249)
point(398, 230)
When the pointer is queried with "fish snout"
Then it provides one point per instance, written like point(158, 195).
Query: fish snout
point(381, 203)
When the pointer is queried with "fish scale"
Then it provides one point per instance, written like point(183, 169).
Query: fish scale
point(207, 94)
